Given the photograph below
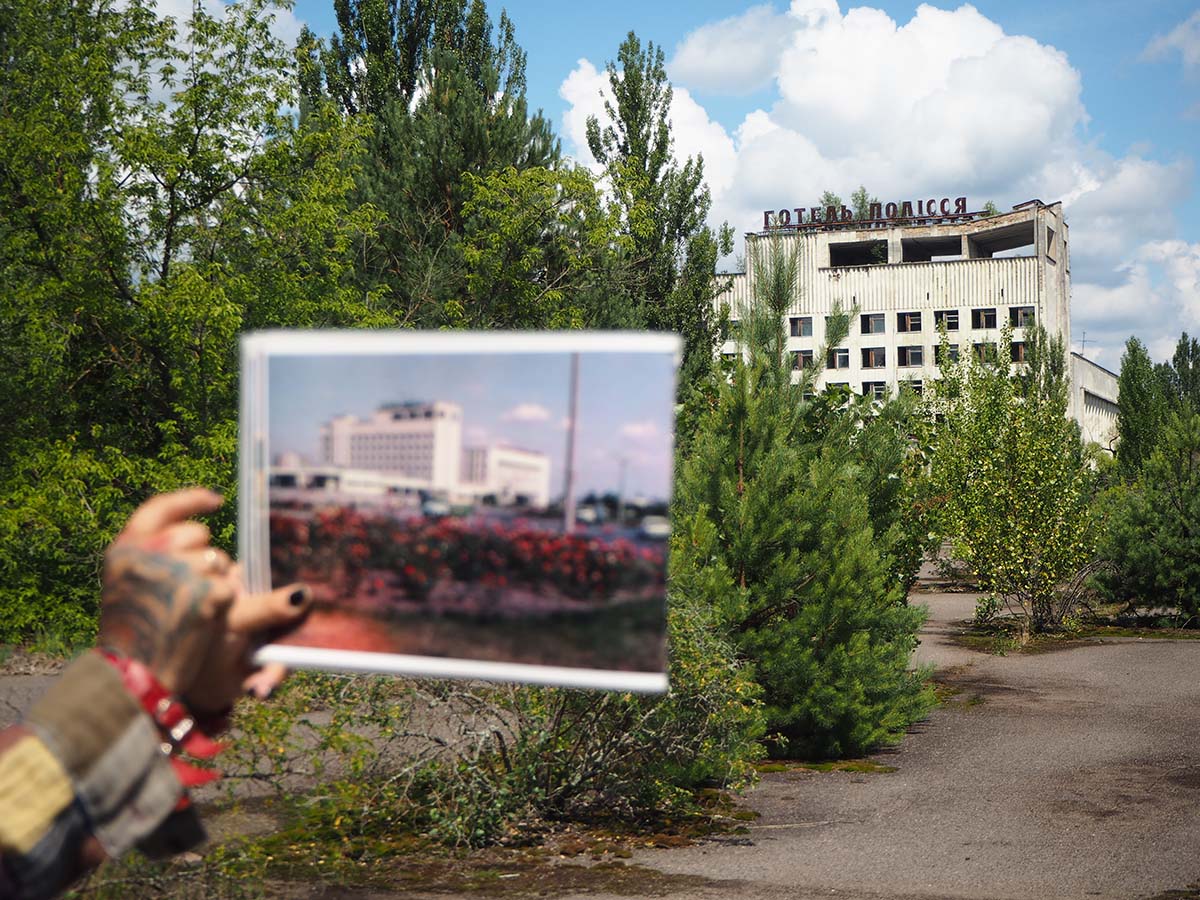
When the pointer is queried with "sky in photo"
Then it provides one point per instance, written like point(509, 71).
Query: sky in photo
point(626, 406)
point(1092, 102)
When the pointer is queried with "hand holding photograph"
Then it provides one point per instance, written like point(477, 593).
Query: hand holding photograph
point(490, 506)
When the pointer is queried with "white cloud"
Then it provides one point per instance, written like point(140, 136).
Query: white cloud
point(737, 55)
point(584, 89)
point(527, 412)
point(1183, 39)
point(640, 431)
point(1154, 296)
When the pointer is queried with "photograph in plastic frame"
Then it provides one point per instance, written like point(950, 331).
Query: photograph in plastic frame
point(495, 502)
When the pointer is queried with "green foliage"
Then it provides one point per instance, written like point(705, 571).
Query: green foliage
point(162, 217)
point(1009, 472)
point(1143, 407)
point(473, 765)
point(1151, 541)
point(828, 199)
point(798, 576)
point(860, 203)
point(1184, 372)
point(991, 209)
point(446, 93)
point(536, 247)
point(670, 253)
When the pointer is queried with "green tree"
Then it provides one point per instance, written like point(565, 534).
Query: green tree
point(828, 199)
point(1009, 470)
point(446, 92)
point(1151, 542)
point(145, 222)
point(1143, 407)
point(991, 209)
point(536, 248)
point(1184, 373)
point(810, 601)
point(671, 253)
point(860, 203)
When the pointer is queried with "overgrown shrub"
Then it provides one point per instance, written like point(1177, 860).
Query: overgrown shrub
point(1011, 477)
point(475, 764)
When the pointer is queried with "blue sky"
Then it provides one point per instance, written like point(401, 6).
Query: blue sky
point(1096, 104)
point(626, 406)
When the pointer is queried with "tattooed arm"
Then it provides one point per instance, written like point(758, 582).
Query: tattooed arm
point(85, 776)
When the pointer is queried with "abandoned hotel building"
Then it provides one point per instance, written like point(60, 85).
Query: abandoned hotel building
point(906, 275)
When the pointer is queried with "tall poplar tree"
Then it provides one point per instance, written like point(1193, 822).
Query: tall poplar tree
point(1142, 409)
point(672, 252)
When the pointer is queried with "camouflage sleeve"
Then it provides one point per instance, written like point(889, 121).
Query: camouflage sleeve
point(84, 778)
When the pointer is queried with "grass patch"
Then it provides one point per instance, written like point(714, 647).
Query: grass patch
point(308, 854)
point(1002, 636)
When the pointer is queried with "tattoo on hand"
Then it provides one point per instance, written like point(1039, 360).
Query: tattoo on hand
point(153, 610)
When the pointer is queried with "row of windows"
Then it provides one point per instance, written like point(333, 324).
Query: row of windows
point(876, 357)
point(875, 323)
point(874, 388)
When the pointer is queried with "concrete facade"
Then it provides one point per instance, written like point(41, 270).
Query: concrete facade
point(508, 473)
point(1093, 401)
point(901, 278)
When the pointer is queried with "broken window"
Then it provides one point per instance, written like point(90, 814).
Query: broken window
point(802, 359)
point(910, 356)
point(985, 352)
point(908, 321)
point(874, 357)
point(946, 317)
point(839, 358)
point(1021, 316)
point(938, 356)
point(1018, 351)
point(872, 323)
point(858, 253)
point(800, 326)
point(876, 389)
point(983, 318)
point(931, 249)
point(913, 385)
point(1016, 239)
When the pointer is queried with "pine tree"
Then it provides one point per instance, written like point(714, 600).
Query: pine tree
point(813, 606)
point(446, 91)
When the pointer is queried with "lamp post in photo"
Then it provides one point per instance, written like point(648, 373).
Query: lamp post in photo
point(569, 467)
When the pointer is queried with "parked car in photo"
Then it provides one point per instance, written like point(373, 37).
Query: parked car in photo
point(655, 528)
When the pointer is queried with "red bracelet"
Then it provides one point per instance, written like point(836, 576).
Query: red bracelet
point(176, 724)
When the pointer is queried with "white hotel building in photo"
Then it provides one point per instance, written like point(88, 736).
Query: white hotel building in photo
point(905, 277)
point(416, 448)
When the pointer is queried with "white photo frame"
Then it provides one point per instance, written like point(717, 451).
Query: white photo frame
point(582, 627)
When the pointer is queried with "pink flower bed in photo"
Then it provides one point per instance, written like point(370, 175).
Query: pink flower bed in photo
point(353, 553)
